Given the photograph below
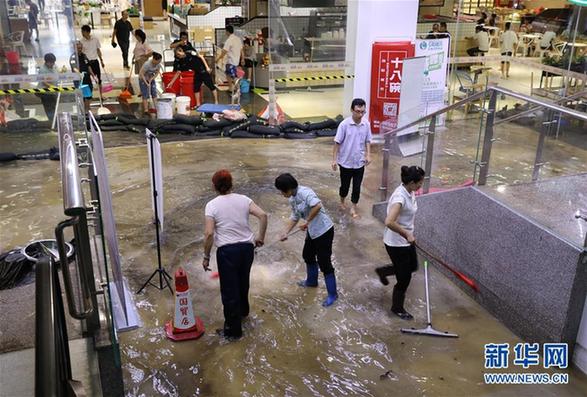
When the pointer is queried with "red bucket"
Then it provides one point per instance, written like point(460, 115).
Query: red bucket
point(167, 77)
point(187, 86)
point(12, 57)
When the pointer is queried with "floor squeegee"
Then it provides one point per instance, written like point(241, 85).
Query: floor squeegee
point(428, 330)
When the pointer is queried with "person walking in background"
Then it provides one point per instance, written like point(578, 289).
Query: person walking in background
point(227, 227)
point(91, 47)
point(41, 4)
point(33, 16)
point(319, 229)
point(248, 57)
point(399, 239)
point(49, 100)
point(79, 63)
point(184, 62)
point(121, 34)
point(142, 50)
point(351, 153)
point(507, 43)
point(232, 50)
point(147, 75)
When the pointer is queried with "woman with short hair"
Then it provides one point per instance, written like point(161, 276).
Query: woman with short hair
point(319, 228)
point(142, 51)
point(227, 227)
point(399, 237)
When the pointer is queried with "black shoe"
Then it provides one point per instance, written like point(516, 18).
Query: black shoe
point(226, 335)
point(403, 314)
point(382, 275)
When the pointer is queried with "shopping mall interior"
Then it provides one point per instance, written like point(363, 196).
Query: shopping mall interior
point(106, 181)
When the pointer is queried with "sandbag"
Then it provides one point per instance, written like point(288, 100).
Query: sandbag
point(50, 154)
point(139, 129)
point(110, 128)
point(288, 125)
point(6, 157)
point(297, 135)
point(254, 120)
point(110, 123)
point(321, 133)
point(217, 125)
point(210, 133)
point(22, 124)
point(243, 134)
point(184, 129)
point(153, 124)
point(109, 116)
point(322, 125)
point(132, 121)
point(264, 130)
point(191, 120)
point(227, 131)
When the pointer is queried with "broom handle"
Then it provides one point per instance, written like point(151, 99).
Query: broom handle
point(427, 293)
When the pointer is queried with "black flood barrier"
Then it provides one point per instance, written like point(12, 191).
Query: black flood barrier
point(212, 133)
point(298, 135)
point(184, 129)
point(243, 134)
point(217, 125)
point(190, 120)
point(6, 157)
point(322, 125)
point(50, 154)
point(291, 125)
point(264, 130)
point(14, 267)
point(227, 131)
point(323, 133)
point(111, 122)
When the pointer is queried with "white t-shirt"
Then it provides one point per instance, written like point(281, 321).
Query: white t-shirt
point(508, 41)
point(233, 46)
point(482, 40)
point(405, 218)
point(547, 38)
point(231, 218)
point(90, 47)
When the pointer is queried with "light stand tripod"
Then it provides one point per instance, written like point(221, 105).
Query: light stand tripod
point(163, 275)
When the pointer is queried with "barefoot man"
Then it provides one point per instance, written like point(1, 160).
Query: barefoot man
point(351, 153)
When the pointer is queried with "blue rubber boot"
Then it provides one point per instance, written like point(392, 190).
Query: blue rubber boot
point(312, 276)
point(330, 281)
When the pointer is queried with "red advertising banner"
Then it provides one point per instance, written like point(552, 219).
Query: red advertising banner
point(386, 78)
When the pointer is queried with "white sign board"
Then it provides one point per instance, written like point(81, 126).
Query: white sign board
point(156, 173)
point(436, 53)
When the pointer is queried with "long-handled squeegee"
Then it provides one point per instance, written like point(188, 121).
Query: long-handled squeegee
point(428, 330)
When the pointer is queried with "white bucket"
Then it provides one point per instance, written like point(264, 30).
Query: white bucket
point(164, 109)
point(169, 95)
point(182, 104)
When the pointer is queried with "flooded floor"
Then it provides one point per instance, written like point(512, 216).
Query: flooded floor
point(292, 346)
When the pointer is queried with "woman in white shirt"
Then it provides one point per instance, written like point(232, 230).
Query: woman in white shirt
point(142, 50)
point(227, 227)
point(399, 237)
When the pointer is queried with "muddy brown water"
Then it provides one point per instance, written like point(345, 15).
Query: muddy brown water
point(292, 346)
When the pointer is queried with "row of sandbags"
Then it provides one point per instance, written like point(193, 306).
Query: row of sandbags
point(251, 127)
point(26, 125)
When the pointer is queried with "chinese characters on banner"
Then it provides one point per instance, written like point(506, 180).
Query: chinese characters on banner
point(386, 77)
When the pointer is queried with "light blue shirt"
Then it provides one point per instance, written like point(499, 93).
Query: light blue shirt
point(301, 204)
point(352, 138)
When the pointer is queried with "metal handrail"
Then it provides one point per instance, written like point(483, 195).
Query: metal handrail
point(73, 199)
point(558, 101)
point(471, 98)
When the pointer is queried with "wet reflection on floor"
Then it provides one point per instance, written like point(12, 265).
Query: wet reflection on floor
point(292, 345)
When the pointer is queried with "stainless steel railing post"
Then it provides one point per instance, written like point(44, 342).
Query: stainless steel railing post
point(487, 139)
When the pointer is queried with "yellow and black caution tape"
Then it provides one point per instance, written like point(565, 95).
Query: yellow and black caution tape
point(315, 78)
point(37, 90)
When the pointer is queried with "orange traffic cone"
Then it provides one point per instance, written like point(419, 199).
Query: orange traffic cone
point(185, 325)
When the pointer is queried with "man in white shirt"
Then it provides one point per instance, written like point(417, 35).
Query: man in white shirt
point(91, 47)
point(546, 40)
point(351, 153)
point(232, 49)
point(507, 44)
point(482, 38)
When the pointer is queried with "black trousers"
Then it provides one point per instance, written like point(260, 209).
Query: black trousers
point(473, 52)
point(49, 102)
point(320, 250)
point(346, 174)
point(124, 48)
point(404, 263)
point(95, 65)
point(234, 267)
